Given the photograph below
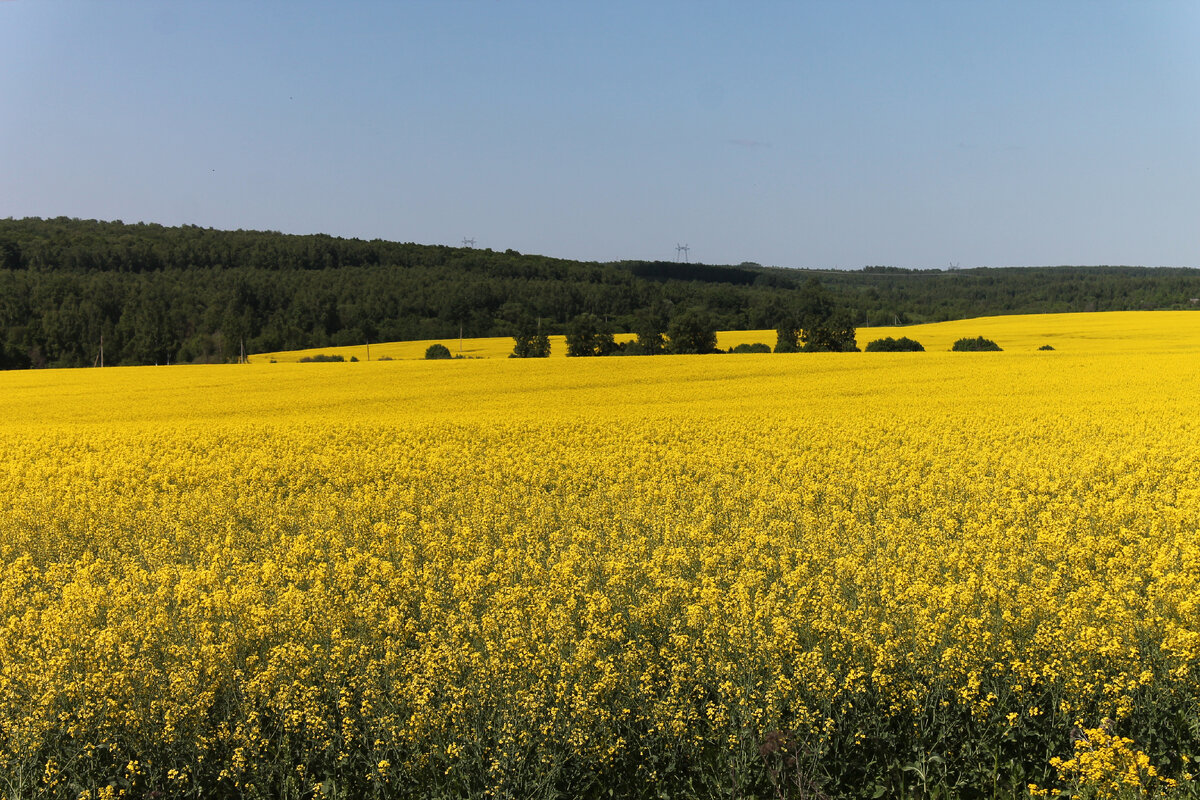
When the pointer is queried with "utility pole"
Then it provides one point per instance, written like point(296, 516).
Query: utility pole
point(681, 248)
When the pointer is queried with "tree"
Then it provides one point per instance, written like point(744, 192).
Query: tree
point(649, 332)
point(832, 334)
point(437, 351)
point(588, 335)
point(814, 323)
point(691, 332)
point(12, 358)
point(978, 344)
point(529, 341)
point(890, 345)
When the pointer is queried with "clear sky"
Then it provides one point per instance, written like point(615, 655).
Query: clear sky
point(803, 134)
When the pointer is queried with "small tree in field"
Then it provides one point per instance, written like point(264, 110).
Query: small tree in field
point(976, 345)
point(588, 335)
point(890, 345)
point(529, 341)
point(757, 347)
point(437, 351)
point(649, 331)
point(691, 331)
point(814, 323)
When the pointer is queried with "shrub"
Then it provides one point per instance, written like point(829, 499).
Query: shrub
point(890, 345)
point(978, 344)
point(437, 351)
point(1046, 347)
point(321, 357)
point(757, 347)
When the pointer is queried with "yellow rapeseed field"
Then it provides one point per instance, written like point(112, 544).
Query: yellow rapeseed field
point(762, 575)
point(1106, 332)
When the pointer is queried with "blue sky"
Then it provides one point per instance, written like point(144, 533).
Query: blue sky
point(802, 134)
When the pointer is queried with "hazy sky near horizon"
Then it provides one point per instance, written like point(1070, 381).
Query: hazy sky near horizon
point(803, 134)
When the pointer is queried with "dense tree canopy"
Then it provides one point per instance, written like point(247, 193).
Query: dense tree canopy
point(588, 335)
point(529, 341)
point(154, 294)
point(976, 345)
point(891, 345)
point(692, 332)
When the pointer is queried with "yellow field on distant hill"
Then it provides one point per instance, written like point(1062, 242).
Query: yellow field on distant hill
point(1083, 332)
point(858, 573)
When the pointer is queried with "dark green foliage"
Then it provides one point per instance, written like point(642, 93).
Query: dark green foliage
point(976, 345)
point(833, 334)
point(437, 351)
point(890, 345)
point(891, 296)
point(159, 294)
point(529, 341)
point(1046, 347)
point(164, 295)
point(787, 339)
point(812, 321)
point(321, 358)
point(649, 328)
point(757, 347)
point(588, 335)
point(673, 270)
point(692, 332)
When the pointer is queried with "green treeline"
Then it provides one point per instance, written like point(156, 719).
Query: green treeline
point(156, 294)
point(887, 295)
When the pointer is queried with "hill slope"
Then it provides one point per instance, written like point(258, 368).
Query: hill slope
point(152, 294)
point(1087, 332)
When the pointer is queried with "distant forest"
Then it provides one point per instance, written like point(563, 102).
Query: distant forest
point(160, 294)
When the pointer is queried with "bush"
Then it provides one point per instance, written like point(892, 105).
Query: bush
point(437, 351)
point(757, 347)
point(976, 345)
point(1045, 347)
point(321, 357)
point(890, 345)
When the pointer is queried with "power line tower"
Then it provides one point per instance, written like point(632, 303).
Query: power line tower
point(468, 242)
point(681, 248)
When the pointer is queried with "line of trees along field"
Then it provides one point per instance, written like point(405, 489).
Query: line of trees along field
point(158, 294)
